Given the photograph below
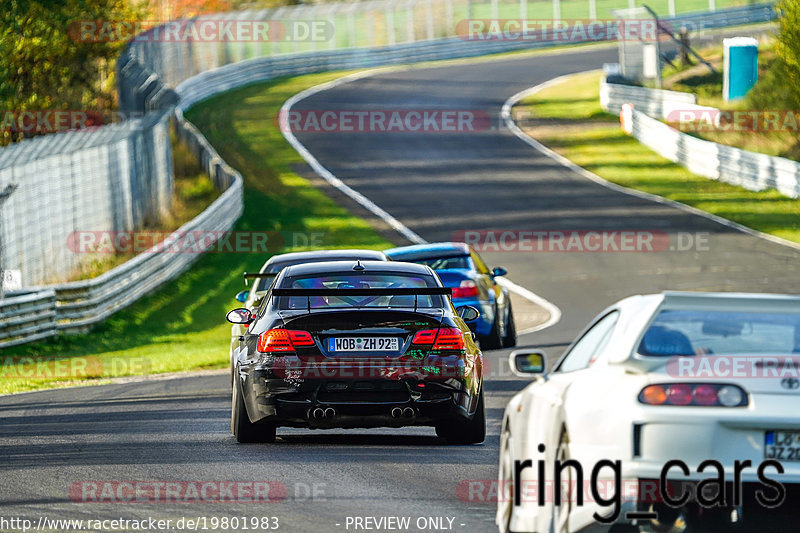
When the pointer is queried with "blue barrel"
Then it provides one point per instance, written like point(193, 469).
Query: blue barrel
point(741, 67)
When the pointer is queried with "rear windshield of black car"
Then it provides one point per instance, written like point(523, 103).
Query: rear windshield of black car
point(359, 281)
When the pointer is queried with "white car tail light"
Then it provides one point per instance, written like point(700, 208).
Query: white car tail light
point(694, 394)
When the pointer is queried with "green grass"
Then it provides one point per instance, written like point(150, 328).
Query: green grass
point(181, 326)
point(567, 117)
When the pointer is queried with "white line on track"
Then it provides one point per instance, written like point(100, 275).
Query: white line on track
point(505, 115)
point(553, 311)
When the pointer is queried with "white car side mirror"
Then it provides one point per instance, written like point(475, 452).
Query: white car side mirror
point(527, 363)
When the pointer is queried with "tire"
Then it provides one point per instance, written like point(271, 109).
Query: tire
point(561, 513)
point(492, 341)
point(241, 426)
point(471, 432)
point(510, 340)
point(505, 480)
point(230, 356)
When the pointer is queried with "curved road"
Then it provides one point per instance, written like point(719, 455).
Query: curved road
point(436, 184)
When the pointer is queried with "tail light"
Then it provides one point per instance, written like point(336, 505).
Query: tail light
point(694, 394)
point(467, 289)
point(283, 340)
point(425, 336)
point(441, 339)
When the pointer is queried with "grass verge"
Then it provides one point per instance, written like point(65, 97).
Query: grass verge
point(567, 118)
point(181, 326)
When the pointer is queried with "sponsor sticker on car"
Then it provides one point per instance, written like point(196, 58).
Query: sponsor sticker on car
point(363, 344)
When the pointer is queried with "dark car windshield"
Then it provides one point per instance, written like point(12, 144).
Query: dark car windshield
point(443, 263)
point(359, 281)
point(266, 281)
point(274, 269)
point(676, 332)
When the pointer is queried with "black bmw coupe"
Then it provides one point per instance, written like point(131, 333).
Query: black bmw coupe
point(357, 344)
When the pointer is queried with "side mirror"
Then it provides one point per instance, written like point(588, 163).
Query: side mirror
point(527, 363)
point(242, 296)
point(499, 271)
point(468, 313)
point(240, 316)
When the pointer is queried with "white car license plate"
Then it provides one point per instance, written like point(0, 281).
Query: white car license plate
point(782, 445)
point(363, 344)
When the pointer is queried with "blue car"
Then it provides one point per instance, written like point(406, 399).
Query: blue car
point(462, 269)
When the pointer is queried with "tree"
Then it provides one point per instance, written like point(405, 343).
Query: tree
point(788, 46)
point(45, 66)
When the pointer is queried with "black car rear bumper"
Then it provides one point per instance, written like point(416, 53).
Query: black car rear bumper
point(356, 402)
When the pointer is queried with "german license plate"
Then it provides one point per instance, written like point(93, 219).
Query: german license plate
point(363, 344)
point(782, 445)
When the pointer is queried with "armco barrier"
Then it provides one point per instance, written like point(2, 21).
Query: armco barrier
point(27, 317)
point(751, 170)
point(653, 102)
point(111, 178)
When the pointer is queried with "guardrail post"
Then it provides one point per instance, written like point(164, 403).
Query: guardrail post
point(429, 18)
point(390, 24)
point(451, 24)
point(410, 21)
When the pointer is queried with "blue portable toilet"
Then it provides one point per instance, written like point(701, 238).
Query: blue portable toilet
point(741, 67)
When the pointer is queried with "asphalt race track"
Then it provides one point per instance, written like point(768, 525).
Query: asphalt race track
point(436, 184)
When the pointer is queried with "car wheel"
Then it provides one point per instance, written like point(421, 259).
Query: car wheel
point(230, 355)
point(472, 432)
point(561, 512)
point(493, 340)
point(241, 426)
point(505, 490)
point(510, 340)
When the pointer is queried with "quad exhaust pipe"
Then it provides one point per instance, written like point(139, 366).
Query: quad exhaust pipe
point(321, 414)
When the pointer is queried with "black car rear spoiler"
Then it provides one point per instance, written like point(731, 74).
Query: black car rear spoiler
point(402, 291)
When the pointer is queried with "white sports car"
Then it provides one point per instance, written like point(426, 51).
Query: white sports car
point(670, 412)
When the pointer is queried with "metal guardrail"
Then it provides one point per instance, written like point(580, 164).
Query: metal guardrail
point(112, 178)
point(653, 102)
point(751, 170)
point(73, 307)
point(146, 75)
point(27, 317)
